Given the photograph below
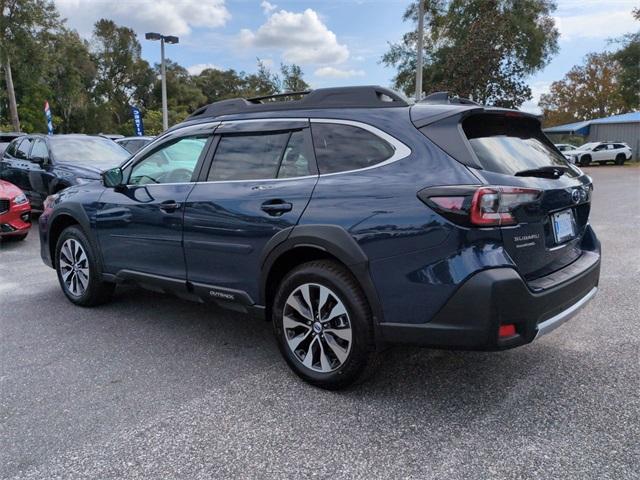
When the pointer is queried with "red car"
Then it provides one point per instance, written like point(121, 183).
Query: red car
point(15, 212)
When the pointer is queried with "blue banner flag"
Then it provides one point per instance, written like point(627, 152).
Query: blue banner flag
point(47, 114)
point(138, 127)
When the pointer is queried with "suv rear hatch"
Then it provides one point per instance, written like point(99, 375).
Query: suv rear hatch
point(548, 199)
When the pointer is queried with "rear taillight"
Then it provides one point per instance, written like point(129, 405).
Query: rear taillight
point(475, 206)
point(494, 206)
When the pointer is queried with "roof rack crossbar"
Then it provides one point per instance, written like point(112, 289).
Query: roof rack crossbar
point(340, 97)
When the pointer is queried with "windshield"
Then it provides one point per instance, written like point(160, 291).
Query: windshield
point(88, 151)
point(509, 145)
point(588, 146)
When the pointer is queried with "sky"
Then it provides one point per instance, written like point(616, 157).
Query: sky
point(336, 42)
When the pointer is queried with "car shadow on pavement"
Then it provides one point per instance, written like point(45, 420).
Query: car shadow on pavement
point(446, 379)
point(11, 245)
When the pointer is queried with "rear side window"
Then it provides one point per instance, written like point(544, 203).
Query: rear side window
point(340, 148)
point(260, 156)
point(39, 151)
point(297, 159)
point(22, 152)
point(11, 149)
point(509, 145)
point(248, 157)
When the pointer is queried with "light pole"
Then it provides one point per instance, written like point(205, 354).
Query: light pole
point(171, 40)
point(420, 50)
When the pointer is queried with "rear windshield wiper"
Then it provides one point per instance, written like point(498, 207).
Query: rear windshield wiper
point(543, 172)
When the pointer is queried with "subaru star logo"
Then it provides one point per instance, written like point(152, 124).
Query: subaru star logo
point(576, 195)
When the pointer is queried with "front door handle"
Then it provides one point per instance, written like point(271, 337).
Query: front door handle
point(169, 206)
point(276, 208)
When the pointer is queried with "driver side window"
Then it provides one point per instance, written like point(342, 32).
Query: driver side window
point(173, 162)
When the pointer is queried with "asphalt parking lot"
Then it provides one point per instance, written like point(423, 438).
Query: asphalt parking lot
point(155, 387)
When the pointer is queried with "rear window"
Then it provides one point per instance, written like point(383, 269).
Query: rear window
point(509, 145)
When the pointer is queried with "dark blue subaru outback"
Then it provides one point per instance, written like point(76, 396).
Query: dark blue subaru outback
point(349, 218)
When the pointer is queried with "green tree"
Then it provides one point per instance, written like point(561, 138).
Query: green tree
point(183, 93)
point(123, 77)
point(22, 24)
point(71, 76)
point(292, 80)
point(628, 57)
point(482, 49)
point(219, 84)
point(261, 83)
point(587, 91)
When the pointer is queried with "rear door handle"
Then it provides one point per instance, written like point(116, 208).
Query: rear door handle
point(276, 207)
point(169, 206)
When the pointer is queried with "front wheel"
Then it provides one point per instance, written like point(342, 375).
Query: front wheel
point(585, 161)
point(620, 159)
point(78, 271)
point(323, 325)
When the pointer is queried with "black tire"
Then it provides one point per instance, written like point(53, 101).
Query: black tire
point(585, 160)
point(97, 291)
point(620, 159)
point(361, 358)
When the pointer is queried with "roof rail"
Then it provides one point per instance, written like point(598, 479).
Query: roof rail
point(339, 97)
point(278, 95)
point(446, 98)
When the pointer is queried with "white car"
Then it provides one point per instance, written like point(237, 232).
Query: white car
point(599, 152)
point(563, 147)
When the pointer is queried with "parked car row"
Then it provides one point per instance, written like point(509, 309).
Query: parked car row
point(33, 167)
point(42, 165)
point(596, 152)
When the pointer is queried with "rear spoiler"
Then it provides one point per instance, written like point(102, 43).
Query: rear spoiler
point(444, 128)
point(426, 114)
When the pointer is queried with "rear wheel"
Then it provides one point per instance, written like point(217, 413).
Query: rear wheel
point(585, 160)
point(323, 325)
point(620, 159)
point(78, 271)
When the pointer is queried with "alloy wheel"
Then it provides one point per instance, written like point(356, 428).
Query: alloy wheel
point(317, 327)
point(74, 267)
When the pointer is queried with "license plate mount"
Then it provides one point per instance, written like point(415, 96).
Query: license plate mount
point(564, 227)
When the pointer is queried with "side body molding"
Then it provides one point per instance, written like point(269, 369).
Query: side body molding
point(331, 239)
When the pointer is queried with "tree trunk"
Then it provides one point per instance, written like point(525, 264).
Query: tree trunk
point(13, 107)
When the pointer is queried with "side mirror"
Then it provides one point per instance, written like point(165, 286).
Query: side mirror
point(39, 160)
point(112, 178)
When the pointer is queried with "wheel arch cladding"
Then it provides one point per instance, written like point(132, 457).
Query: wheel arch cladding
point(305, 243)
point(65, 218)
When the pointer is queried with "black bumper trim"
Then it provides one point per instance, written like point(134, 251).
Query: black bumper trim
point(471, 318)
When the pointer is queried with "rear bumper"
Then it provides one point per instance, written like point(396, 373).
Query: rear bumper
point(490, 298)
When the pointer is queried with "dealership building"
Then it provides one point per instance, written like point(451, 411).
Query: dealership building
point(617, 128)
